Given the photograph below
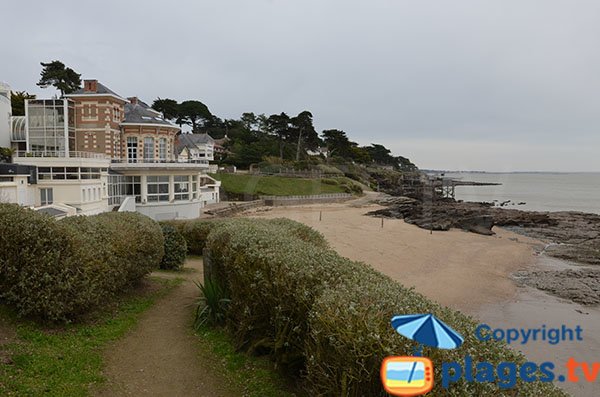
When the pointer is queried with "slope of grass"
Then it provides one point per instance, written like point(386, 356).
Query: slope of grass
point(67, 361)
point(276, 186)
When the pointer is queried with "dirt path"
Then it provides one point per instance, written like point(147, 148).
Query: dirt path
point(160, 356)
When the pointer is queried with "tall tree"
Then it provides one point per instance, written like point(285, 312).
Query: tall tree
point(168, 107)
point(381, 155)
point(194, 113)
point(17, 102)
point(280, 126)
point(305, 131)
point(56, 74)
point(249, 120)
point(338, 143)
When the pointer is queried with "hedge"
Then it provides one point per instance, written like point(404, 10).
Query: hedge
point(328, 318)
point(58, 270)
point(175, 248)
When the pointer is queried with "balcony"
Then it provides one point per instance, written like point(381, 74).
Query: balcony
point(146, 164)
point(59, 153)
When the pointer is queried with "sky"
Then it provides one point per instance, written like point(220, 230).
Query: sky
point(495, 85)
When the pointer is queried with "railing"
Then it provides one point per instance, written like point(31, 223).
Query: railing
point(60, 153)
point(309, 197)
point(155, 161)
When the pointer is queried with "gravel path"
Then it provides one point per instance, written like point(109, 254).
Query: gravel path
point(160, 356)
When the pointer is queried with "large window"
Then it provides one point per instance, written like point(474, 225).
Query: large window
point(73, 173)
point(46, 196)
point(132, 145)
point(182, 187)
point(51, 130)
point(158, 188)
point(148, 149)
point(162, 148)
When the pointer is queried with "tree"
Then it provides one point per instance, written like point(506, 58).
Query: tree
point(305, 131)
point(280, 125)
point(168, 107)
point(56, 74)
point(381, 155)
point(194, 113)
point(17, 102)
point(338, 143)
point(249, 120)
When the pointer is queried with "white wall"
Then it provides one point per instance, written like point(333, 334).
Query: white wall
point(166, 211)
point(5, 113)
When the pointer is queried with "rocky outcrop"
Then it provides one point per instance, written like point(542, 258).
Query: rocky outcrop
point(573, 235)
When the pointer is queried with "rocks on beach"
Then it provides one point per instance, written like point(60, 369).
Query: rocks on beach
point(571, 236)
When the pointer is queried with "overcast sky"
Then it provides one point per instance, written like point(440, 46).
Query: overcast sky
point(492, 85)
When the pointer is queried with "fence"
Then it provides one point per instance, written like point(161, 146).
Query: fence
point(276, 201)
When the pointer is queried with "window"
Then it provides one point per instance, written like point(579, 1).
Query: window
point(158, 188)
point(132, 145)
point(194, 188)
point(149, 149)
point(90, 173)
point(6, 179)
point(162, 148)
point(46, 196)
point(182, 187)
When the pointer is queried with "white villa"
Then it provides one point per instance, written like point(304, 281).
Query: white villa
point(95, 151)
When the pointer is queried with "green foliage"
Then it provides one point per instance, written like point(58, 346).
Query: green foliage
point(317, 313)
point(168, 107)
point(56, 74)
point(68, 361)
point(175, 248)
point(240, 184)
point(6, 155)
point(17, 102)
point(58, 270)
point(195, 232)
point(212, 304)
point(193, 113)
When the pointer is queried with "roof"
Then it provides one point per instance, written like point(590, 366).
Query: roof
point(101, 89)
point(193, 140)
point(52, 211)
point(141, 113)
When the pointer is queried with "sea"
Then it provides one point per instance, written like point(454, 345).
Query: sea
point(539, 191)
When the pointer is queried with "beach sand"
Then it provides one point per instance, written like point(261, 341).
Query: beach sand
point(455, 268)
point(465, 271)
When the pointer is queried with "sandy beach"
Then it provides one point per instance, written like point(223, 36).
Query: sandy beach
point(468, 272)
point(458, 269)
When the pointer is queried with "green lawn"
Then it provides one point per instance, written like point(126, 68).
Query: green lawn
point(278, 186)
point(255, 375)
point(67, 361)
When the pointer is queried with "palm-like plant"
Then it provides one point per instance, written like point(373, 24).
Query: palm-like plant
point(212, 304)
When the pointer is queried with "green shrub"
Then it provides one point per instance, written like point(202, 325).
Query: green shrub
point(195, 232)
point(330, 181)
point(57, 270)
point(325, 316)
point(175, 248)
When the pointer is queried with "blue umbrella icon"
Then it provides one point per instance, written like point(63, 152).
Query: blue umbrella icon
point(427, 330)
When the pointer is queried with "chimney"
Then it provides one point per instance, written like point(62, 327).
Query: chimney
point(133, 100)
point(90, 86)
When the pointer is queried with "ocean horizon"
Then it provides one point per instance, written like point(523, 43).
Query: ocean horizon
point(539, 191)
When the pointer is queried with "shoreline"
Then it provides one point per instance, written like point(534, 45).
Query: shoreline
point(475, 274)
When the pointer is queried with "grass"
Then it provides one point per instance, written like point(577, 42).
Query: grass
point(274, 185)
point(255, 375)
point(67, 361)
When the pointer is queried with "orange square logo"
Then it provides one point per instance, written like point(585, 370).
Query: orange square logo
point(407, 376)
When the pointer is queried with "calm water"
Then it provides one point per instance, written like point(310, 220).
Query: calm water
point(541, 192)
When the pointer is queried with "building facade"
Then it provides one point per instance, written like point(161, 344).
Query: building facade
point(95, 151)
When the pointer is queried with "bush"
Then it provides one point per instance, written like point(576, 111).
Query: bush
point(175, 248)
point(320, 314)
point(58, 270)
point(195, 232)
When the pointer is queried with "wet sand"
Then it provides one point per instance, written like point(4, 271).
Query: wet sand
point(465, 271)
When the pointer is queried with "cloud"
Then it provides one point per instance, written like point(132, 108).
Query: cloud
point(459, 73)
